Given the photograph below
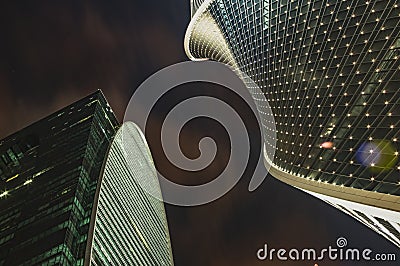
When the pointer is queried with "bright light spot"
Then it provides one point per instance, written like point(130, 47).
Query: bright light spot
point(327, 145)
point(378, 155)
point(28, 181)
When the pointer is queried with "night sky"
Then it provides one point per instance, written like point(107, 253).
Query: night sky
point(53, 53)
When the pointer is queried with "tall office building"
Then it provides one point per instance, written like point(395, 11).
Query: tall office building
point(130, 226)
point(330, 72)
point(68, 194)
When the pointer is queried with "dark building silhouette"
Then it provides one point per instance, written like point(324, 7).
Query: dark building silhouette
point(50, 189)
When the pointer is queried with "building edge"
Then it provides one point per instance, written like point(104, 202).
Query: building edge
point(386, 204)
point(92, 226)
point(381, 200)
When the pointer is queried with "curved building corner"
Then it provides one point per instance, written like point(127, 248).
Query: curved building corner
point(330, 72)
point(128, 226)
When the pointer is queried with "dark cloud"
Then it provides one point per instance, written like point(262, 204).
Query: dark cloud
point(57, 52)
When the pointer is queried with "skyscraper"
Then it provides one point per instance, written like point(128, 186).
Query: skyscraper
point(130, 226)
point(330, 72)
point(59, 201)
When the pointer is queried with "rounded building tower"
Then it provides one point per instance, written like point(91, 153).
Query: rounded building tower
point(70, 192)
point(128, 225)
point(330, 72)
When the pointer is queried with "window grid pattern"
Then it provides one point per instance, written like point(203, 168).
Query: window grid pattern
point(330, 72)
point(194, 5)
point(130, 225)
point(48, 181)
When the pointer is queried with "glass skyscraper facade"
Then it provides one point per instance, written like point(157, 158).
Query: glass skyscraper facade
point(130, 225)
point(50, 191)
point(330, 72)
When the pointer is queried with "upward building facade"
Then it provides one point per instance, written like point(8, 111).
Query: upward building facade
point(68, 193)
point(330, 72)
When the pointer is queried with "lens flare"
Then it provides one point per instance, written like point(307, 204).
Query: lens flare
point(327, 145)
point(378, 155)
